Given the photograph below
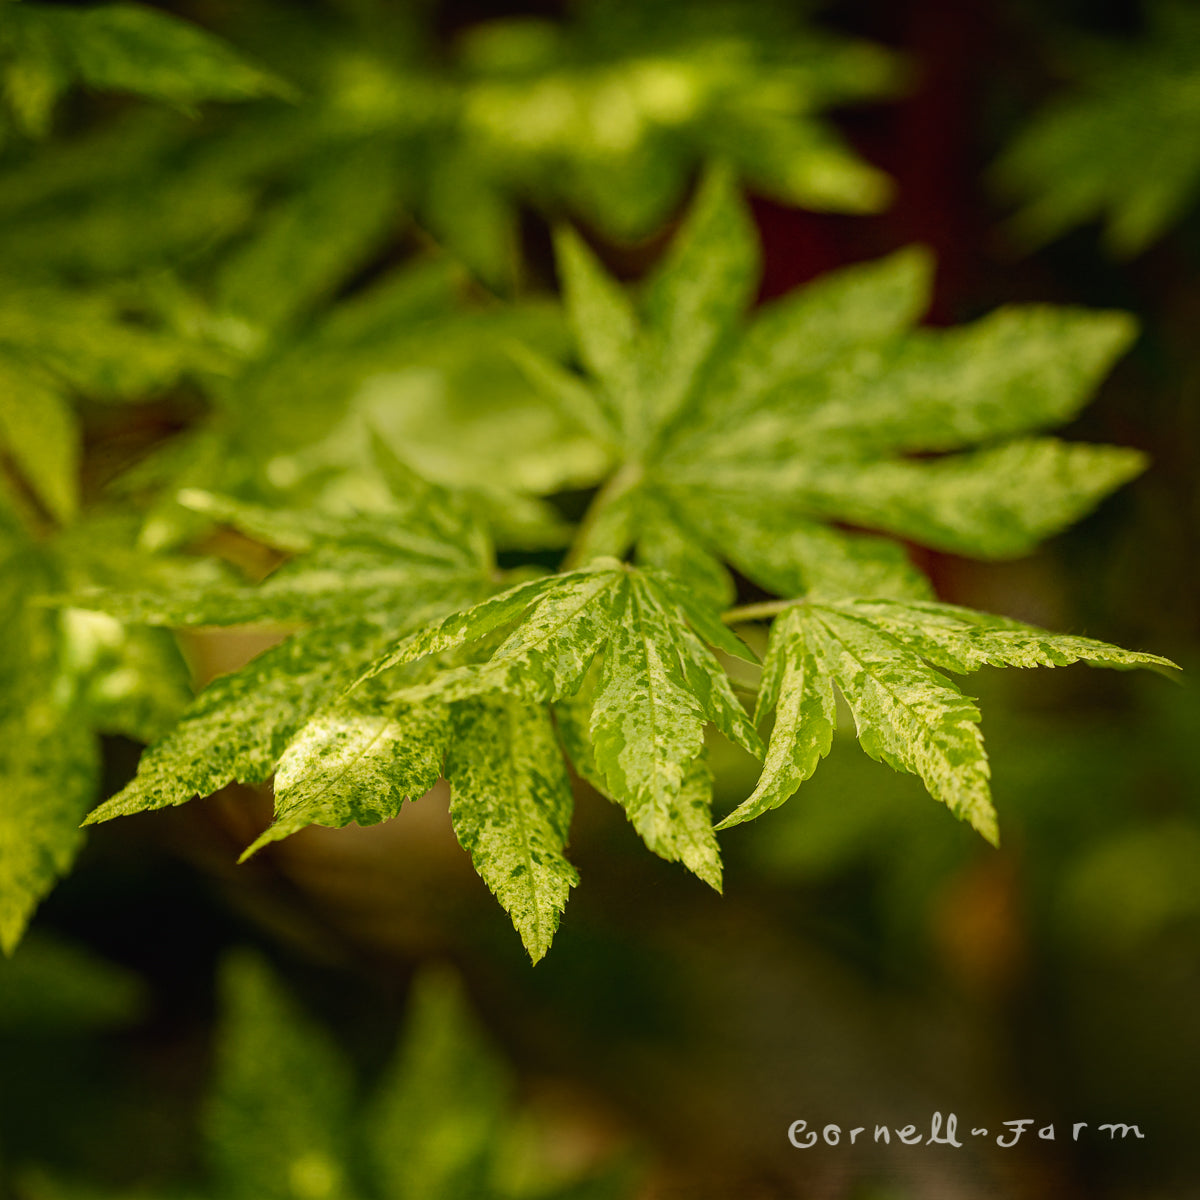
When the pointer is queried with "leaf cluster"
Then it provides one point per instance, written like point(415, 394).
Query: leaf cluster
point(395, 451)
point(730, 445)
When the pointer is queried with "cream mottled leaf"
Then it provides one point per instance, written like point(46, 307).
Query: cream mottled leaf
point(795, 685)
point(238, 727)
point(301, 530)
point(321, 586)
point(1016, 371)
point(469, 625)
point(49, 757)
point(764, 434)
point(510, 803)
point(699, 671)
point(697, 295)
point(800, 333)
point(907, 714)
point(572, 718)
point(647, 731)
point(357, 760)
point(794, 556)
point(702, 614)
point(962, 640)
point(548, 653)
point(885, 656)
point(572, 396)
point(667, 541)
point(993, 503)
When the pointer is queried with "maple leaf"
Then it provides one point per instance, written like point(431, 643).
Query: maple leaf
point(757, 443)
point(884, 657)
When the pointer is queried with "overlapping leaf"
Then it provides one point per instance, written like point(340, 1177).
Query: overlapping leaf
point(658, 685)
point(360, 581)
point(511, 804)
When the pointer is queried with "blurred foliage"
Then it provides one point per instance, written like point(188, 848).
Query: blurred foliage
point(1120, 144)
point(282, 1119)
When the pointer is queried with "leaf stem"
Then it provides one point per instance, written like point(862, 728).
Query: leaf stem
point(758, 612)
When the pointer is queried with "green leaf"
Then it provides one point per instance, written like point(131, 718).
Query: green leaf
point(49, 764)
point(39, 430)
point(805, 163)
point(101, 343)
point(357, 760)
point(561, 388)
point(278, 1120)
point(434, 1123)
point(697, 295)
point(1118, 145)
point(605, 328)
point(325, 230)
point(59, 987)
point(510, 803)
